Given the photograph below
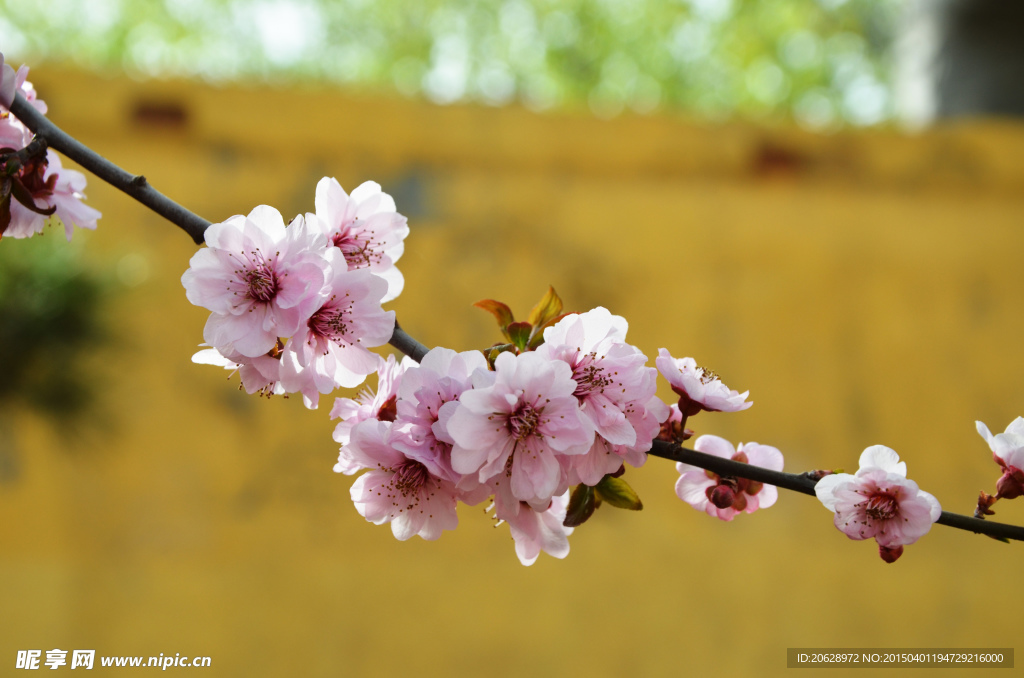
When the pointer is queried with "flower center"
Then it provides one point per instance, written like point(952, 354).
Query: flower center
point(410, 477)
point(330, 322)
point(706, 376)
point(589, 377)
point(524, 421)
point(357, 248)
point(260, 282)
point(881, 506)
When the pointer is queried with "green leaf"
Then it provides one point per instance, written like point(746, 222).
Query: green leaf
point(519, 334)
point(500, 311)
point(581, 506)
point(618, 493)
point(546, 309)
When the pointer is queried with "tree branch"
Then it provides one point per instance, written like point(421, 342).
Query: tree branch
point(138, 188)
point(135, 185)
point(804, 483)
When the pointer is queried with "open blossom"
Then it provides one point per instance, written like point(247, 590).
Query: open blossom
point(258, 375)
point(261, 280)
point(427, 398)
point(332, 350)
point(512, 428)
point(365, 227)
point(725, 497)
point(880, 502)
point(51, 186)
point(398, 489)
point(698, 388)
point(535, 531)
point(614, 387)
point(1008, 451)
point(381, 406)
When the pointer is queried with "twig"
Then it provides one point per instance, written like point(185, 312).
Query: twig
point(135, 185)
point(804, 483)
point(138, 188)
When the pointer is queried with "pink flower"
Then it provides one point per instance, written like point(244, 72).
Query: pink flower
point(535, 531)
point(512, 429)
point(725, 497)
point(260, 280)
point(51, 186)
point(398, 489)
point(880, 502)
point(332, 350)
point(1008, 451)
point(13, 133)
point(381, 406)
point(614, 389)
point(258, 375)
point(427, 391)
point(365, 227)
point(698, 388)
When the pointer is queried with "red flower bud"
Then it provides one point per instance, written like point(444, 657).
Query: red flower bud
point(890, 555)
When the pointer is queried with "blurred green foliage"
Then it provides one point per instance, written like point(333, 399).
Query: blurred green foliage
point(823, 63)
point(49, 318)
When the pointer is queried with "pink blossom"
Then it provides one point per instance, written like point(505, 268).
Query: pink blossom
point(51, 186)
point(1007, 451)
point(260, 280)
point(365, 227)
point(725, 497)
point(698, 388)
point(332, 350)
point(513, 427)
point(13, 133)
point(426, 391)
point(381, 406)
point(605, 457)
point(880, 502)
point(614, 389)
point(535, 531)
point(258, 375)
point(398, 489)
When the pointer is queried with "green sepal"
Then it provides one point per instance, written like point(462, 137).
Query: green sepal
point(1002, 539)
point(618, 493)
point(582, 503)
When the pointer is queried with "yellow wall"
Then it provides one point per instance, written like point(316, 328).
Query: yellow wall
point(865, 287)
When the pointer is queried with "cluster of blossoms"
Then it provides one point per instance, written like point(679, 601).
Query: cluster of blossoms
point(518, 428)
point(295, 309)
point(40, 187)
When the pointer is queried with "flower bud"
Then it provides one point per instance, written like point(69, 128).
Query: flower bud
point(890, 555)
point(1011, 484)
point(722, 496)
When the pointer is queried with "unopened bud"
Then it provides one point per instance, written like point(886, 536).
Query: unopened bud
point(722, 496)
point(890, 555)
point(1011, 484)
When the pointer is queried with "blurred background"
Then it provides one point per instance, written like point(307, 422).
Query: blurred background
point(821, 200)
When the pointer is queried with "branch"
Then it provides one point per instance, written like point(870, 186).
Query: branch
point(804, 483)
point(137, 187)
